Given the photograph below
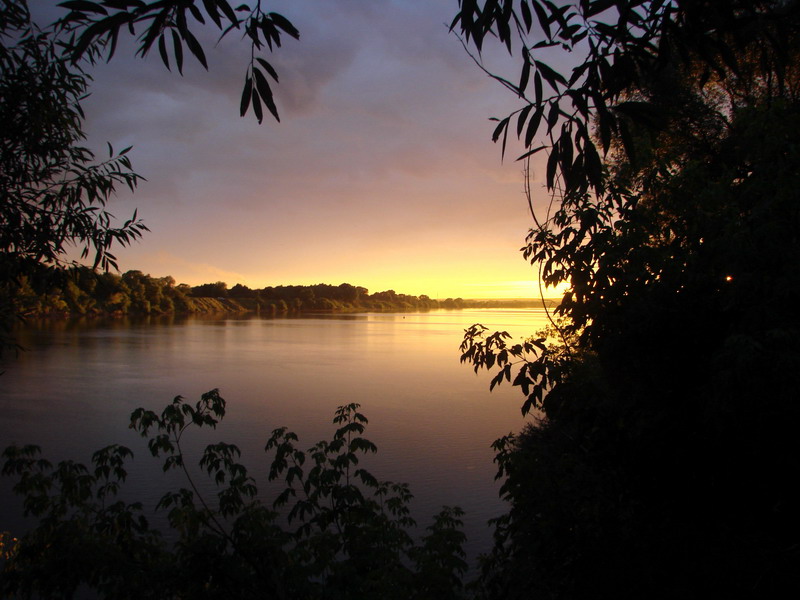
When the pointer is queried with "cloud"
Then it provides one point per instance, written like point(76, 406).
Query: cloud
point(383, 151)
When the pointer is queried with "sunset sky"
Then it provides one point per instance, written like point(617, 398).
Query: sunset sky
point(381, 172)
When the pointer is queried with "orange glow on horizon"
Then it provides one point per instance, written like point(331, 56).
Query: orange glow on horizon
point(436, 275)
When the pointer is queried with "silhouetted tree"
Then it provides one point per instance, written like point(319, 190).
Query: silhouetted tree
point(52, 191)
point(664, 461)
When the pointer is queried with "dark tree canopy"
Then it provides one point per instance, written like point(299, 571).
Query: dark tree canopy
point(664, 463)
point(53, 192)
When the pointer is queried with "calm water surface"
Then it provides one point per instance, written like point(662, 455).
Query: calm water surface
point(432, 418)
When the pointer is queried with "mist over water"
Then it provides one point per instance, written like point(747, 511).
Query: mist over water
point(432, 418)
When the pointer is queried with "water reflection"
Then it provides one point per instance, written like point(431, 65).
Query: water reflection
point(433, 419)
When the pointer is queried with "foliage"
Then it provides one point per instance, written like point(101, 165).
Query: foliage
point(664, 447)
point(666, 80)
point(167, 24)
point(346, 533)
point(43, 291)
point(53, 194)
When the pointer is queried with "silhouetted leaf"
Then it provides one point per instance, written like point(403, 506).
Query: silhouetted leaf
point(162, 50)
point(284, 24)
point(257, 105)
point(552, 77)
point(211, 10)
point(84, 6)
point(522, 118)
point(526, 71)
point(544, 19)
point(178, 50)
point(197, 14)
point(246, 96)
point(598, 6)
point(537, 87)
point(552, 116)
point(268, 68)
point(526, 14)
point(227, 11)
point(531, 152)
point(195, 47)
point(533, 126)
point(265, 92)
point(552, 165)
point(499, 129)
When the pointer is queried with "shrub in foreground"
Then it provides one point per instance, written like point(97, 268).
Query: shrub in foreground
point(347, 534)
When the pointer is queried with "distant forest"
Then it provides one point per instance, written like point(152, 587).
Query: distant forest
point(82, 291)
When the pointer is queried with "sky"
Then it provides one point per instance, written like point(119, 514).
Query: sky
point(381, 173)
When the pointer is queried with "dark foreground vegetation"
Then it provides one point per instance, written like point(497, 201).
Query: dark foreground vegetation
point(348, 534)
point(665, 462)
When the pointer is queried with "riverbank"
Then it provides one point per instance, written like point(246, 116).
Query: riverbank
point(251, 306)
point(82, 292)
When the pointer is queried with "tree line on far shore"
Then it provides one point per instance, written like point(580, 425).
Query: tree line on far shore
point(82, 291)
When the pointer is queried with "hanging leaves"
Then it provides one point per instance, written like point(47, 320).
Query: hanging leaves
point(96, 26)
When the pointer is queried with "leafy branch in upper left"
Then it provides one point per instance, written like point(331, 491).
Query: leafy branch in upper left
point(53, 192)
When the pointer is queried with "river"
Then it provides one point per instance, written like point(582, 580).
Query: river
point(433, 419)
